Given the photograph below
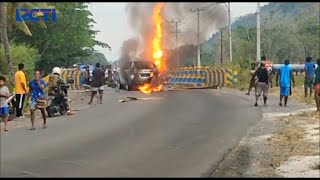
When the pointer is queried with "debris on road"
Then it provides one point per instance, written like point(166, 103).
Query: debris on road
point(127, 99)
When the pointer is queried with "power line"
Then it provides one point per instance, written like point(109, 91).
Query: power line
point(209, 5)
point(188, 23)
point(176, 32)
point(198, 10)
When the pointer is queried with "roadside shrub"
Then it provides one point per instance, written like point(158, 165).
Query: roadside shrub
point(20, 54)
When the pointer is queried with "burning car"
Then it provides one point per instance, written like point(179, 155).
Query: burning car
point(136, 73)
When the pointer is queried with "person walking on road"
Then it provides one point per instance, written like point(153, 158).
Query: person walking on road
point(252, 80)
point(262, 85)
point(20, 84)
point(37, 100)
point(286, 76)
point(4, 107)
point(309, 68)
point(317, 85)
point(87, 75)
point(97, 83)
point(269, 68)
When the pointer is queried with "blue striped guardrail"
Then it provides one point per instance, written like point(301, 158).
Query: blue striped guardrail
point(203, 77)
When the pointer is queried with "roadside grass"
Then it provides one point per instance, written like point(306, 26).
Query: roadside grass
point(289, 141)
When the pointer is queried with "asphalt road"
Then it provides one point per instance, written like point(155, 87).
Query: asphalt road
point(171, 134)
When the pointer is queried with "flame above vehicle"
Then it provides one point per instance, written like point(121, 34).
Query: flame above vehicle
point(157, 49)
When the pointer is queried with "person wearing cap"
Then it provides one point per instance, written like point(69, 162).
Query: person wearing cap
point(56, 81)
point(75, 67)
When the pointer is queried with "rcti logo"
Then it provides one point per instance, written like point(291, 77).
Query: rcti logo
point(28, 15)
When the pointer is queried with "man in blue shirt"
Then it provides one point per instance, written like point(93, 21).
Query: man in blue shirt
point(286, 75)
point(309, 68)
point(37, 98)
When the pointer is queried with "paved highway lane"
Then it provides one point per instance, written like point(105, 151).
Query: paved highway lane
point(172, 134)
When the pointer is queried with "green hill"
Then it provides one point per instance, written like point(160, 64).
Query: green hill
point(288, 30)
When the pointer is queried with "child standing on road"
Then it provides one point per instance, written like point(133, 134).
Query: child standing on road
point(4, 95)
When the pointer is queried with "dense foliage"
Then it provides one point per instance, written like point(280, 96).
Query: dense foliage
point(62, 43)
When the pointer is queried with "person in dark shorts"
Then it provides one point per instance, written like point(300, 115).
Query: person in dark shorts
point(309, 68)
point(20, 85)
point(4, 107)
point(286, 77)
point(262, 85)
point(37, 98)
point(97, 83)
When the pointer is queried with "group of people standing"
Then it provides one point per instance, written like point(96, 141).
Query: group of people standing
point(35, 96)
point(34, 93)
point(261, 80)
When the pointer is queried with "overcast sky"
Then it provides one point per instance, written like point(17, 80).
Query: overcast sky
point(112, 21)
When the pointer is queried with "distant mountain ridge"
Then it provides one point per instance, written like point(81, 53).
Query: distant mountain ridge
point(283, 11)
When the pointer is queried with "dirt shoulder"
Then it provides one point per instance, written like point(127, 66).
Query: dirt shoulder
point(285, 143)
point(78, 102)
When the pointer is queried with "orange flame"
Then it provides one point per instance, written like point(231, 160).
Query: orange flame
point(147, 89)
point(157, 52)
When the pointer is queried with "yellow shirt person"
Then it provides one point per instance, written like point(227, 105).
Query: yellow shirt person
point(20, 79)
point(20, 84)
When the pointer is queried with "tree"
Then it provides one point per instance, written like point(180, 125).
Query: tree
point(20, 54)
point(288, 30)
point(93, 58)
point(4, 39)
point(7, 19)
point(23, 26)
point(64, 39)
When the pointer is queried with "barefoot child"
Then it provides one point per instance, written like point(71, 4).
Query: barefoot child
point(4, 108)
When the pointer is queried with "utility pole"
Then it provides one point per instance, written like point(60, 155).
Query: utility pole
point(177, 46)
point(221, 48)
point(258, 33)
point(230, 35)
point(198, 12)
point(229, 27)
